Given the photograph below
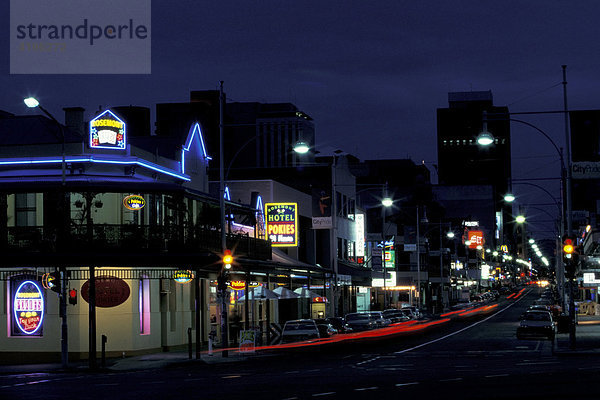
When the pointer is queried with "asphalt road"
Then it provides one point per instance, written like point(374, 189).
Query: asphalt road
point(468, 359)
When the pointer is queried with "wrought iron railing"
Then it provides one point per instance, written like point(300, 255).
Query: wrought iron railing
point(130, 238)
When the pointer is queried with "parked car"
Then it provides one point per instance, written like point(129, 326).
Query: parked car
point(361, 321)
point(326, 330)
point(298, 330)
point(395, 315)
point(379, 319)
point(339, 324)
point(535, 324)
point(411, 311)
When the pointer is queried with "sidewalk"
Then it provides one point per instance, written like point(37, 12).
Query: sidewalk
point(135, 363)
point(587, 337)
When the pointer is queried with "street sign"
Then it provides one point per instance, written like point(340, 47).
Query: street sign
point(275, 330)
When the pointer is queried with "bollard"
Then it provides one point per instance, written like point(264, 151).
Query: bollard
point(104, 339)
point(190, 343)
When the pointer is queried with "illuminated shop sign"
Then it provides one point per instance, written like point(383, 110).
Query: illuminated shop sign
point(28, 308)
point(359, 225)
point(476, 239)
point(241, 285)
point(281, 223)
point(107, 131)
point(134, 202)
point(182, 276)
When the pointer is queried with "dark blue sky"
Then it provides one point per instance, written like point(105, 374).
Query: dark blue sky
point(371, 74)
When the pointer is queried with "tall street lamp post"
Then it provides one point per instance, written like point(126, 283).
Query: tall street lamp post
point(485, 138)
point(31, 102)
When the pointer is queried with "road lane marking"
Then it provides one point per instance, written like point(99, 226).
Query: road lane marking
point(107, 384)
point(496, 376)
point(539, 363)
point(406, 384)
point(322, 394)
point(367, 388)
point(231, 376)
point(458, 331)
point(451, 380)
point(292, 372)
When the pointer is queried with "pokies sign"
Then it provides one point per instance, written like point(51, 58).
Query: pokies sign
point(107, 131)
point(282, 224)
point(28, 309)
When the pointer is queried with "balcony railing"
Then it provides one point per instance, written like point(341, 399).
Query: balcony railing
point(130, 238)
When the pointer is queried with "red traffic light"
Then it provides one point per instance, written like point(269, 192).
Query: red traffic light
point(73, 296)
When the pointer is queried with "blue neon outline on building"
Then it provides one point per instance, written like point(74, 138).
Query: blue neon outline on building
point(39, 289)
point(195, 128)
point(96, 159)
point(94, 131)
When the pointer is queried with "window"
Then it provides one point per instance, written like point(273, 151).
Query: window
point(25, 209)
point(144, 305)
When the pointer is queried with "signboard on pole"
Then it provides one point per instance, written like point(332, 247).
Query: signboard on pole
point(247, 341)
point(282, 224)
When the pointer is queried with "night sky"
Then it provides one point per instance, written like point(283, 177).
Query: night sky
point(371, 74)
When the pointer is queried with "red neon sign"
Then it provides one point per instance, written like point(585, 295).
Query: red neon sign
point(476, 239)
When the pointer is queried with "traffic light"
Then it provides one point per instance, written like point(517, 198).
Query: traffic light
point(570, 256)
point(227, 259)
point(51, 281)
point(568, 247)
point(73, 296)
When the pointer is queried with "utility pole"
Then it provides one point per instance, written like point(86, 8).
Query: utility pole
point(572, 286)
point(221, 281)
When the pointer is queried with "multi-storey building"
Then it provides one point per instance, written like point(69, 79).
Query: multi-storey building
point(123, 216)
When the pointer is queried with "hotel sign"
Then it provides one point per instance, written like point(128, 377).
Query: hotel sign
point(282, 224)
point(107, 131)
point(28, 309)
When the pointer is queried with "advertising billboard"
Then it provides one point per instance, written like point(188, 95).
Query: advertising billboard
point(282, 224)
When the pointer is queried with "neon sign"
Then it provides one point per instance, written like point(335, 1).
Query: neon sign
point(281, 224)
point(134, 202)
point(28, 308)
point(476, 239)
point(107, 131)
point(183, 276)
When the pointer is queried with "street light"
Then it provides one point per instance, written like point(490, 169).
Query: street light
point(566, 176)
point(32, 102)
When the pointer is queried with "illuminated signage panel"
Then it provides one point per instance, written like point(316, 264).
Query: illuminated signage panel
point(359, 225)
point(134, 202)
point(182, 276)
point(282, 224)
point(28, 309)
point(107, 131)
point(476, 239)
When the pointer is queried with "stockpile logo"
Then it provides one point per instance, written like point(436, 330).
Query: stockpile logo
point(80, 37)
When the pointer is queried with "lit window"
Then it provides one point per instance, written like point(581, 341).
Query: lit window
point(144, 306)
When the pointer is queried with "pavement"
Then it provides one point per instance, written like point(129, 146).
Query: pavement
point(587, 342)
point(587, 338)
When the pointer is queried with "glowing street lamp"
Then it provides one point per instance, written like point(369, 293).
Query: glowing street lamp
point(520, 219)
point(509, 197)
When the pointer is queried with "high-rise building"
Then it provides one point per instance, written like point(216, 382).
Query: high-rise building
point(463, 163)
